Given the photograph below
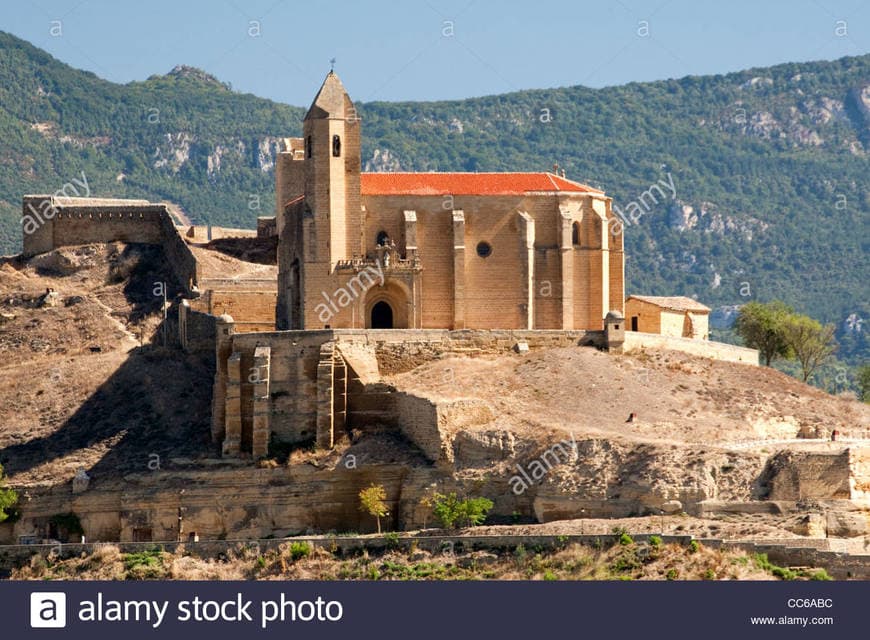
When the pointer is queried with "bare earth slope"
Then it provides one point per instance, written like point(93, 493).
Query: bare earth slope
point(77, 387)
point(678, 398)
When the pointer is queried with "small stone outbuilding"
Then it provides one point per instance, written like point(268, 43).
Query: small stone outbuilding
point(676, 316)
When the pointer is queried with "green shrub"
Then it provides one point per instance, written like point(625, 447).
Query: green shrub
point(694, 546)
point(147, 564)
point(821, 574)
point(671, 574)
point(655, 541)
point(549, 575)
point(625, 539)
point(392, 540)
point(627, 560)
point(8, 498)
point(299, 550)
point(783, 573)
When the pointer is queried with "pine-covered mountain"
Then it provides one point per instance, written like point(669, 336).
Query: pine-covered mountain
point(769, 166)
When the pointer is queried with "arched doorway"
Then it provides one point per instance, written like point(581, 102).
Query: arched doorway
point(382, 316)
point(387, 307)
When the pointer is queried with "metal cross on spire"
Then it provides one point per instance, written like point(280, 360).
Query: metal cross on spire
point(331, 65)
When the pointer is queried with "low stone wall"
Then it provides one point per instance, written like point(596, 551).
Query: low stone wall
point(196, 330)
point(841, 566)
point(244, 306)
point(704, 348)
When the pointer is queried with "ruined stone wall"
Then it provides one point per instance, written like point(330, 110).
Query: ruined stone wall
point(196, 330)
point(292, 378)
point(177, 253)
point(296, 356)
point(704, 348)
point(802, 475)
point(76, 221)
point(241, 503)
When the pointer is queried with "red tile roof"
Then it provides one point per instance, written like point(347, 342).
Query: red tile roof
point(676, 303)
point(460, 184)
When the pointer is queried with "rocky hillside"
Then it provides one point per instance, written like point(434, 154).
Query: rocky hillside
point(769, 166)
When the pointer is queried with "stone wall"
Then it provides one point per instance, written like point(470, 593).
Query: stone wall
point(178, 254)
point(76, 221)
point(818, 475)
point(196, 330)
point(267, 227)
point(859, 467)
point(251, 310)
point(301, 378)
point(224, 501)
point(704, 348)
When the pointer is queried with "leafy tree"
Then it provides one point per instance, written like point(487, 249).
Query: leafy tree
point(8, 497)
point(373, 501)
point(864, 381)
point(451, 511)
point(761, 327)
point(811, 343)
point(475, 510)
point(447, 509)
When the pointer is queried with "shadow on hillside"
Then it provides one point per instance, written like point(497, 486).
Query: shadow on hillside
point(157, 402)
point(257, 250)
point(144, 269)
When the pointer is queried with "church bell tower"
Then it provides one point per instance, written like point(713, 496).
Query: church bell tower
point(331, 139)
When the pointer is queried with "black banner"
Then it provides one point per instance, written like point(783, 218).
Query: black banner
point(281, 609)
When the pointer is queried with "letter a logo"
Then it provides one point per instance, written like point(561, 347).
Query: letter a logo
point(47, 610)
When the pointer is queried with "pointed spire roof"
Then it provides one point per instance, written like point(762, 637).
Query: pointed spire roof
point(331, 101)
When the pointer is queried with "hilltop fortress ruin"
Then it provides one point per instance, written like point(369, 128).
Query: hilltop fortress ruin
point(366, 277)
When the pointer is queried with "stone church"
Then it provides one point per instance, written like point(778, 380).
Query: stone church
point(434, 250)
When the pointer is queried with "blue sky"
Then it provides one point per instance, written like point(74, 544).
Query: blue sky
point(436, 49)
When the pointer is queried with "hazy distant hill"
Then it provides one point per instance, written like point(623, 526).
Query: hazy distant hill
point(770, 166)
